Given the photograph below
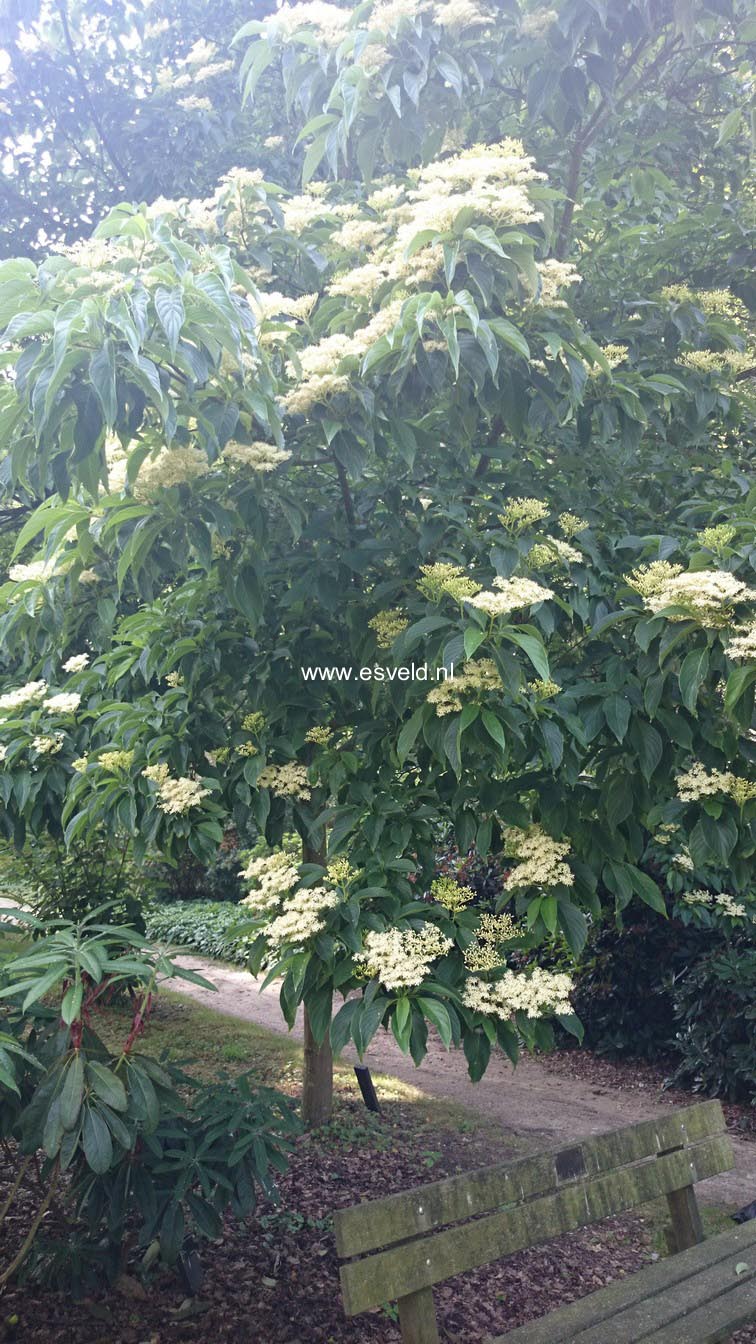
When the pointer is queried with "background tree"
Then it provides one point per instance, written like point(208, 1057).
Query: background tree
point(381, 420)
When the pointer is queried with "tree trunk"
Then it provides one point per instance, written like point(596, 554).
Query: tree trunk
point(317, 1088)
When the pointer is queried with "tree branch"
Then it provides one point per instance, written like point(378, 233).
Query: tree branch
point(594, 123)
point(104, 139)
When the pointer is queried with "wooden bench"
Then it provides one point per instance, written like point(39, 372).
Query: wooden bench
point(396, 1248)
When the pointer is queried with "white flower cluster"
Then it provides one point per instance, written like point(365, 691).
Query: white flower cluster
point(402, 958)
point(540, 859)
point(513, 594)
point(726, 903)
point(489, 180)
point(571, 524)
point(698, 782)
point(288, 781)
point(275, 876)
point(482, 953)
point(272, 304)
point(742, 646)
point(648, 580)
point(115, 760)
point(718, 361)
point(475, 680)
point(172, 466)
point(29, 694)
point(48, 746)
point(706, 595)
point(552, 552)
point(304, 916)
point(257, 456)
point(63, 703)
point(538, 994)
point(175, 796)
point(76, 663)
point(522, 512)
point(554, 277)
point(329, 22)
point(35, 572)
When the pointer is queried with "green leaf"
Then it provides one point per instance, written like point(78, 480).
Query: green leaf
point(738, 682)
point(102, 375)
point(169, 306)
point(143, 1100)
point(408, 735)
point(72, 1092)
point(71, 1005)
point(43, 985)
point(341, 1026)
point(531, 646)
point(96, 1141)
point(438, 1014)
point(693, 670)
point(107, 1086)
point(729, 127)
point(573, 924)
point(494, 729)
point(401, 1023)
point(645, 887)
point(172, 1233)
point(648, 744)
point(617, 714)
point(319, 1006)
point(473, 638)
point(452, 745)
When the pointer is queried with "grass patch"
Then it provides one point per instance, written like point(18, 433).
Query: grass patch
point(208, 1044)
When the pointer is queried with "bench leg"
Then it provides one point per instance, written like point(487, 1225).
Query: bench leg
point(417, 1318)
point(687, 1228)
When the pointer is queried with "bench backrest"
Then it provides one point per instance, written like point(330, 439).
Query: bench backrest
point(409, 1241)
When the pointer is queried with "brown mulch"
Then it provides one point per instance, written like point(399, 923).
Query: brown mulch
point(603, 1074)
point(274, 1280)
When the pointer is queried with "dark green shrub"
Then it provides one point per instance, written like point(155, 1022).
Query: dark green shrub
point(191, 880)
point(131, 1152)
point(715, 1016)
point(625, 982)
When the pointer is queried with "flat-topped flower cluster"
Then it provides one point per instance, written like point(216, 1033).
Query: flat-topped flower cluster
point(540, 859)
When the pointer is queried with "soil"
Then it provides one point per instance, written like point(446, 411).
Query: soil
point(564, 1096)
point(274, 1279)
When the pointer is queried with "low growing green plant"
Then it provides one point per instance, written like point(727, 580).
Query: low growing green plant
point(715, 1013)
point(126, 1148)
point(204, 926)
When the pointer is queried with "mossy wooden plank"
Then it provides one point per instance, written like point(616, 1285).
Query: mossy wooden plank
point(602, 1309)
point(428, 1260)
point(382, 1223)
point(669, 1305)
point(713, 1322)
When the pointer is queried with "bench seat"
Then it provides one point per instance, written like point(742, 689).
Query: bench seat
point(697, 1295)
point(396, 1249)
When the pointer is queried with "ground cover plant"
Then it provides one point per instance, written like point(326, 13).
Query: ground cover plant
point(419, 408)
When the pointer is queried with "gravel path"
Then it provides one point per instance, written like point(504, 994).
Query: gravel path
point(530, 1100)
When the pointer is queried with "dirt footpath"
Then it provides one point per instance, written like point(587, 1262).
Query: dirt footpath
point(530, 1100)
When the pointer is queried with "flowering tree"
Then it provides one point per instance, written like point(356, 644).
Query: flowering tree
point(381, 425)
